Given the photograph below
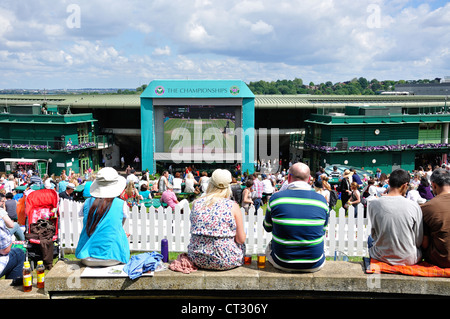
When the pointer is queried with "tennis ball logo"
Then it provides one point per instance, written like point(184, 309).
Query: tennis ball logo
point(159, 90)
point(234, 90)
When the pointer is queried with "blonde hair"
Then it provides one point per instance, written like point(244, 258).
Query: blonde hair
point(129, 189)
point(214, 194)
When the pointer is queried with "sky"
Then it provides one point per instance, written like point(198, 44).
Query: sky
point(48, 44)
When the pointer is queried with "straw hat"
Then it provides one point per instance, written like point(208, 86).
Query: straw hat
point(221, 178)
point(347, 173)
point(108, 184)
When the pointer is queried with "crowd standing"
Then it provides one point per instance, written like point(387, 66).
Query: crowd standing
point(409, 212)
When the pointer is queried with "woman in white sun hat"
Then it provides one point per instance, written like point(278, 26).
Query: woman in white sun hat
point(217, 230)
point(103, 241)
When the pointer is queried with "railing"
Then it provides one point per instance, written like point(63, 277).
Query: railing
point(367, 147)
point(365, 143)
point(100, 141)
point(147, 226)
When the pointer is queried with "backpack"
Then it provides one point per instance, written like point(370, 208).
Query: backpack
point(364, 201)
point(333, 198)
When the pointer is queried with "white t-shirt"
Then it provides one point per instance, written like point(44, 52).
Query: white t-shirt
point(9, 186)
point(267, 186)
point(133, 178)
point(177, 183)
point(205, 182)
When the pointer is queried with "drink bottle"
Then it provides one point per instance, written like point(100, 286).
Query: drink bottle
point(165, 250)
point(40, 271)
point(27, 277)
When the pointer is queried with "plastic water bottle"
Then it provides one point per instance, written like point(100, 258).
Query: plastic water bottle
point(40, 271)
point(27, 277)
point(165, 250)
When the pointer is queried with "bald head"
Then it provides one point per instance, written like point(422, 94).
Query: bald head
point(299, 172)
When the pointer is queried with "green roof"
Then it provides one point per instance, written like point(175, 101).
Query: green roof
point(46, 119)
point(127, 101)
point(391, 119)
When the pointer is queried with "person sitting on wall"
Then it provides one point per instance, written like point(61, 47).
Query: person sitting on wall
point(297, 218)
point(11, 259)
point(436, 221)
point(217, 230)
point(103, 241)
point(397, 227)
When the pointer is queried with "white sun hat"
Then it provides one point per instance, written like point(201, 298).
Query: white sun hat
point(108, 184)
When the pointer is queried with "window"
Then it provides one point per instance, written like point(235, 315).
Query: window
point(83, 133)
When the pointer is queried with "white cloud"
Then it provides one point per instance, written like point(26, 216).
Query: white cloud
point(162, 51)
point(197, 33)
point(260, 27)
point(250, 40)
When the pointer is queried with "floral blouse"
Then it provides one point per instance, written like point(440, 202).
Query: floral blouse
point(213, 230)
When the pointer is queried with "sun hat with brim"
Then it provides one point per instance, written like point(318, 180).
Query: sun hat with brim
point(347, 173)
point(221, 178)
point(108, 184)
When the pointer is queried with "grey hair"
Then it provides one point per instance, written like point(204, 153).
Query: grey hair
point(441, 177)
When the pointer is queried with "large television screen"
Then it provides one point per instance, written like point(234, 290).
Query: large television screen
point(199, 128)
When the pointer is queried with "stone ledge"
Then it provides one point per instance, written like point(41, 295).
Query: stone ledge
point(336, 278)
point(10, 292)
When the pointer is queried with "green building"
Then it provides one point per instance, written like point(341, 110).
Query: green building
point(58, 141)
point(385, 137)
point(121, 116)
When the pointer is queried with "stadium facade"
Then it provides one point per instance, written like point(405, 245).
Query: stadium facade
point(195, 122)
point(133, 125)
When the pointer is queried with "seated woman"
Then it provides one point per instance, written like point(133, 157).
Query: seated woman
point(144, 193)
point(130, 195)
point(103, 241)
point(217, 229)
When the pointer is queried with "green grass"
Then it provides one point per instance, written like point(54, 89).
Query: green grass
point(173, 255)
point(189, 125)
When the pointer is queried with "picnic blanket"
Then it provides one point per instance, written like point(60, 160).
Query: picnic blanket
point(422, 269)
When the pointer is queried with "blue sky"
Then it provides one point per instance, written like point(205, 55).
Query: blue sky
point(124, 44)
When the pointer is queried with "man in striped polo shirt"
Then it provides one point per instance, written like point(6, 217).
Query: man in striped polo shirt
point(297, 218)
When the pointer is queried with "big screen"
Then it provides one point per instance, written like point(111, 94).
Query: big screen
point(199, 128)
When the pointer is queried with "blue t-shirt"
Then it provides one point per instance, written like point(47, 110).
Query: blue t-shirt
point(87, 189)
point(109, 240)
point(297, 219)
point(145, 194)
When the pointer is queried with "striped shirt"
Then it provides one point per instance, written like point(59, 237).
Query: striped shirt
point(297, 219)
point(5, 241)
point(258, 187)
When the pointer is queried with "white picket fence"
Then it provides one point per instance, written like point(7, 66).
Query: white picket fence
point(148, 226)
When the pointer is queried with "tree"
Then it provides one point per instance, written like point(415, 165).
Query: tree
point(363, 82)
point(356, 86)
